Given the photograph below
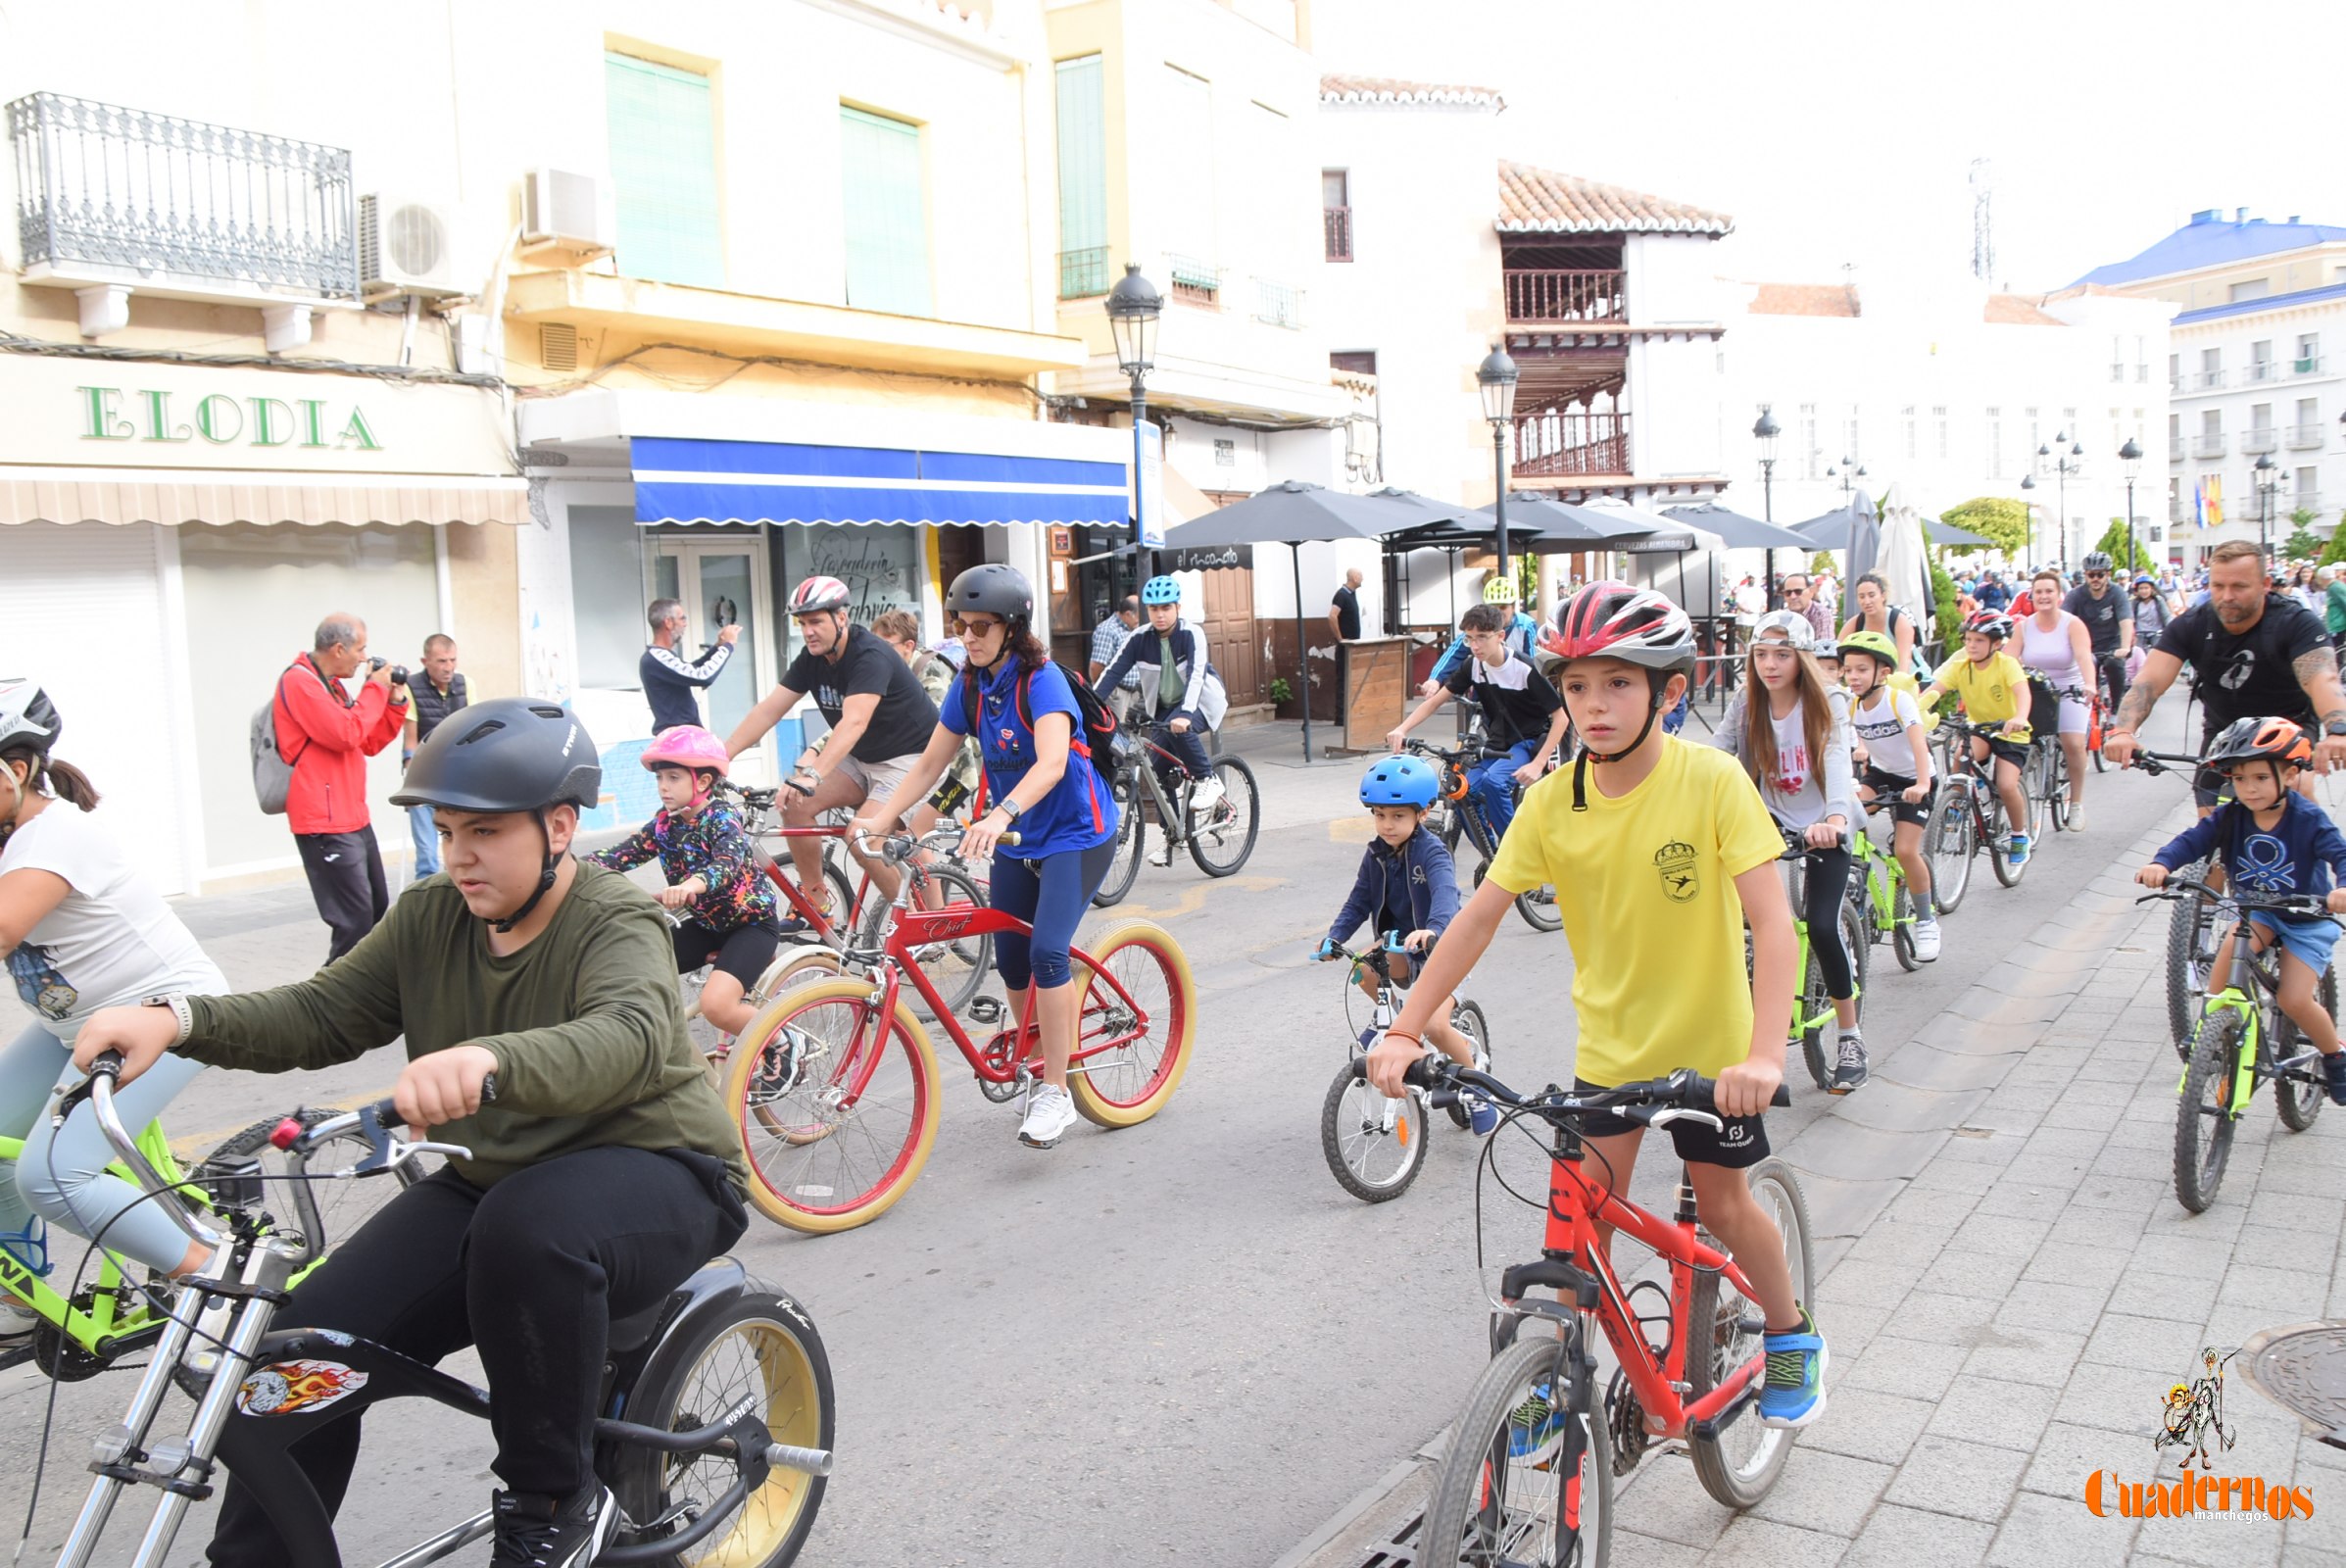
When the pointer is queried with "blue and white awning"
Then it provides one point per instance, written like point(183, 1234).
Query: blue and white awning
point(770, 482)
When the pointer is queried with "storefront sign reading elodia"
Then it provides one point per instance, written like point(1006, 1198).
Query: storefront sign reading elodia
point(224, 420)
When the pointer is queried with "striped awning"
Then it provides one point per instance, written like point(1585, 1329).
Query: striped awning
point(178, 498)
point(771, 481)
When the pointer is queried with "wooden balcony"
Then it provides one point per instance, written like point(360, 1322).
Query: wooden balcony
point(1564, 442)
point(1558, 294)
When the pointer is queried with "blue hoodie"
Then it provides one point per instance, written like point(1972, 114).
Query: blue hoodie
point(2304, 852)
point(1420, 877)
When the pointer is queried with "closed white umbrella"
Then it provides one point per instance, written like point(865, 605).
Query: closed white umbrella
point(1901, 561)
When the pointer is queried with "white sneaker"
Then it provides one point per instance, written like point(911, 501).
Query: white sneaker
point(1049, 1113)
point(2075, 822)
point(1926, 941)
point(1206, 794)
point(17, 1320)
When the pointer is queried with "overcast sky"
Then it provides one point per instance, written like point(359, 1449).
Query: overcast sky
point(1841, 132)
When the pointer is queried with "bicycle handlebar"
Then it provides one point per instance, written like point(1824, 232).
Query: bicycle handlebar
point(897, 848)
point(98, 1090)
point(2304, 905)
point(1387, 942)
point(1683, 1090)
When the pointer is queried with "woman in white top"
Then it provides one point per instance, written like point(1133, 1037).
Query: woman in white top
point(2053, 643)
point(80, 928)
point(1875, 612)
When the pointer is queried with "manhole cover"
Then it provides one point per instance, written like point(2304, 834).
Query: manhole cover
point(2303, 1369)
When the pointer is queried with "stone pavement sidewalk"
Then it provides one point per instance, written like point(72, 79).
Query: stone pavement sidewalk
point(2011, 1319)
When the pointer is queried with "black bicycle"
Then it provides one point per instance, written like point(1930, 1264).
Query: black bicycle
point(1463, 817)
point(2192, 931)
point(725, 1390)
point(1219, 840)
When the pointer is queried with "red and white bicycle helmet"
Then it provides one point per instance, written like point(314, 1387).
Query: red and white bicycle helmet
point(1615, 620)
point(687, 746)
point(813, 594)
point(1989, 623)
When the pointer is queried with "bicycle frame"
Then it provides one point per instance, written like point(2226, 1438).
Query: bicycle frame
point(1884, 876)
point(115, 1320)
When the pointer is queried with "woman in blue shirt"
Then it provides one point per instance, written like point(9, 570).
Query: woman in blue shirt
point(1039, 781)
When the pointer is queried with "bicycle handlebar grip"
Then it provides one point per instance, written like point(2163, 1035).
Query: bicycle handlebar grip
point(1702, 1094)
point(108, 1065)
point(1421, 1072)
point(1011, 838)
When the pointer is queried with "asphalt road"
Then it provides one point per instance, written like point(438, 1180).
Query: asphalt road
point(1180, 1342)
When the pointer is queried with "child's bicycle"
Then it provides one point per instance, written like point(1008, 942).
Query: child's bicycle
point(1968, 815)
point(87, 1326)
point(837, 1096)
point(2243, 1038)
point(1375, 1145)
point(2192, 931)
point(1884, 904)
point(1813, 1014)
point(724, 1387)
point(1529, 1475)
point(1463, 817)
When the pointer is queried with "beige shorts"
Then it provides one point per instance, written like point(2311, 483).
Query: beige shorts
point(877, 780)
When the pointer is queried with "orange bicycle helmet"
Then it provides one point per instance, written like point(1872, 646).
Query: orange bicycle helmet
point(2274, 740)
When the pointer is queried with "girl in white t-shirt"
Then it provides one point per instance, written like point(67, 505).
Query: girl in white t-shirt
point(1895, 764)
point(80, 928)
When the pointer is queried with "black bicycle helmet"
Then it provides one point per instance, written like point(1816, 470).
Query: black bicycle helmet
point(992, 589)
point(2097, 561)
point(509, 754)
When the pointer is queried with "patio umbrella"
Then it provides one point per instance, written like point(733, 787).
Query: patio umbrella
point(1865, 535)
point(1563, 527)
point(1901, 562)
point(1943, 534)
point(1739, 532)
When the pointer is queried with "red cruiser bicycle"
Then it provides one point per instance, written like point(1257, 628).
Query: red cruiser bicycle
point(835, 1087)
point(1529, 1477)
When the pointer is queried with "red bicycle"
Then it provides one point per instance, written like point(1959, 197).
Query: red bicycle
point(835, 1087)
point(1528, 1477)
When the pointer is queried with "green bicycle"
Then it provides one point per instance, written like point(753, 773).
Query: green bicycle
point(1813, 1017)
point(89, 1327)
point(1884, 904)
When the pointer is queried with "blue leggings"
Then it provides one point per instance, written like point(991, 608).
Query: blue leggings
point(1189, 746)
point(1049, 895)
point(1493, 781)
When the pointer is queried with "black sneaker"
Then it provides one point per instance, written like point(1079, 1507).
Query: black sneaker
point(540, 1531)
point(1849, 1072)
point(2333, 1076)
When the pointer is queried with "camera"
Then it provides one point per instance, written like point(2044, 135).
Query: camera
point(399, 672)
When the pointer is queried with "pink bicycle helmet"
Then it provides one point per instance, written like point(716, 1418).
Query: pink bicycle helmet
point(688, 746)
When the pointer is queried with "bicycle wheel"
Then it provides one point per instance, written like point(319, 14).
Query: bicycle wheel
point(836, 1105)
point(1222, 842)
point(1375, 1147)
point(1998, 845)
point(1949, 843)
point(1502, 1494)
point(2035, 796)
point(760, 1355)
point(1738, 1466)
point(1902, 929)
point(1861, 952)
point(2056, 786)
point(2205, 1112)
point(1131, 839)
point(1467, 1019)
point(1814, 1002)
point(2190, 948)
point(249, 1172)
point(957, 969)
point(2300, 1100)
point(1132, 1046)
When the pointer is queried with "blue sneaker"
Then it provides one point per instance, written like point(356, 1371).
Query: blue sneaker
point(2333, 1076)
point(2019, 855)
point(1481, 1116)
point(1368, 1041)
point(1535, 1428)
point(1794, 1394)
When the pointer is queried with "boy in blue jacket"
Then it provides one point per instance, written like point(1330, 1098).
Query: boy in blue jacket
point(1408, 883)
point(2272, 840)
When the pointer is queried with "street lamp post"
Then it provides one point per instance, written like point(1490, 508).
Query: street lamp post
point(1132, 307)
point(2065, 466)
point(1765, 432)
point(2027, 484)
point(2266, 473)
point(1497, 377)
point(2131, 455)
point(1848, 474)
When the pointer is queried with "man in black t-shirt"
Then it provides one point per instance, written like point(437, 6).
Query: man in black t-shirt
point(880, 719)
point(2254, 654)
point(1343, 610)
point(2109, 623)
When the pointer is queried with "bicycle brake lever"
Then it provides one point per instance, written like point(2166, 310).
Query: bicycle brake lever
point(1670, 1113)
point(411, 1147)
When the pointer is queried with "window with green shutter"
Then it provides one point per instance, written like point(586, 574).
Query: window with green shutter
point(1083, 180)
point(663, 132)
point(887, 224)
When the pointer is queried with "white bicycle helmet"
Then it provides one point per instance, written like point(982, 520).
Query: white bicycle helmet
point(815, 594)
point(1793, 624)
point(26, 715)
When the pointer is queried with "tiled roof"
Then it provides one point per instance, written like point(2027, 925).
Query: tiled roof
point(1803, 299)
point(2011, 310)
point(2209, 241)
point(1391, 90)
point(1541, 201)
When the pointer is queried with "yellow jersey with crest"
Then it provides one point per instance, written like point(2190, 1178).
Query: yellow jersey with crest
point(1993, 694)
point(1645, 885)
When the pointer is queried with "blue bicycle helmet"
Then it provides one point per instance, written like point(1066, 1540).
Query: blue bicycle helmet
point(1161, 591)
point(1399, 781)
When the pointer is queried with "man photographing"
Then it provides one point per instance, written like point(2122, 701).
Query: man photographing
point(669, 679)
point(326, 736)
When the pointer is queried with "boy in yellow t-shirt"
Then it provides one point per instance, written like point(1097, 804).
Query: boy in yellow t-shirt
point(1993, 689)
point(1659, 850)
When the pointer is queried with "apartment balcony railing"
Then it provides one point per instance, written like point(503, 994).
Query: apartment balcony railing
point(2260, 438)
point(2118, 372)
point(2207, 446)
point(1196, 282)
point(118, 195)
point(2306, 437)
point(2208, 380)
point(2306, 364)
point(2257, 372)
point(1279, 304)
point(2175, 449)
point(1564, 442)
point(2179, 508)
point(1566, 294)
point(2305, 501)
point(1084, 273)
point(1336, 225)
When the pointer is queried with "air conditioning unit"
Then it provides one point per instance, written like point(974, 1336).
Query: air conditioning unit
point(406, 247)
point(569, 212)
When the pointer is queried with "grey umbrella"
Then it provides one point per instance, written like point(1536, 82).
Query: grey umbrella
point(1561, 525)
point(1738, 532)
point(1945, 533)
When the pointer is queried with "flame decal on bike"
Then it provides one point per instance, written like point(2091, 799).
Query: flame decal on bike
point(289, 1388)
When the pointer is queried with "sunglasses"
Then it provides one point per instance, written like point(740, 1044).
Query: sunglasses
point(975, 626)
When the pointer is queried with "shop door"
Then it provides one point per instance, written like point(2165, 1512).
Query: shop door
point(720, 581)
point(1230, 632)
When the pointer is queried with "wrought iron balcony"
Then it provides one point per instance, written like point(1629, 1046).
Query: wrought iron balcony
point(1084, 273)
point(113, 195)
point(1279, 304)
point(2306, 437)
point(2306, 364)
point(1195, 281)
point(2208, 445)
point(1335, 223)
point(1566, 294)
point(1568, 441)
point(2259, 370)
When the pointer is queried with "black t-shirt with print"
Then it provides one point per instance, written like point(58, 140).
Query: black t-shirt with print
point(2100, 615)
point(2251, 676)
point(905, 719)
point(1517, 701)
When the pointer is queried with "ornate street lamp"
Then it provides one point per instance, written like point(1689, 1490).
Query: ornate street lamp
point(2267, 474)
point(1848, 474)
point(2067, 465)
point(2027, 484)
point(1132, 307)
point(1765, 432)
point(2131, 455)
point(1497, 376)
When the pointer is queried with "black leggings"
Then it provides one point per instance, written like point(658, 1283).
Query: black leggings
point(1828, 885)
point(531, 1270)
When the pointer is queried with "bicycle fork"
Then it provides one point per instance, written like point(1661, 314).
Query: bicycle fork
point(2244, 1065)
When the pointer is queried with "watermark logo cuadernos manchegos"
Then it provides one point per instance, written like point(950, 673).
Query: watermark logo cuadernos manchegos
point(2191, 1424)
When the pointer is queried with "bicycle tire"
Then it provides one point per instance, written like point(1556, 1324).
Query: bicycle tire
point(1374, 1161)
point(1130, 1084)
point(782, 1093)
point(2298, 1102)
point(959, 972)
point(1467, 1019)
point(2056, 786)
point(2187, 942)
point(1999, 857)
point(1222, 843)
point(1949, 846)
point(322, 1211)
point(1861, 954)
point(2203, 1116)
point(1471, 1521)
point(1732, 1482)
point(761, 1348)
point(1902, 929)
point(1124, 867)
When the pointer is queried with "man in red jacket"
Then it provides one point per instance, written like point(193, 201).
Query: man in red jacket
point(327, 737)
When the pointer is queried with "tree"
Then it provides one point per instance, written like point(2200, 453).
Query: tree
point(2303, 544)
point(1942, 595)
point(2113, 543)
point(2336, 551)
point(1996, 517)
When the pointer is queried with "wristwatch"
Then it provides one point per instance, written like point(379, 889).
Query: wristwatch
point(176, 1002)
point(1010, 808)
point(2334, 726)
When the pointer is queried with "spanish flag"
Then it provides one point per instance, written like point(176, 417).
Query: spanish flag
point(2211, 501)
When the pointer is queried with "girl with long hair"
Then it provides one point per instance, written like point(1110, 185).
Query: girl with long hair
point(2055, 645)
